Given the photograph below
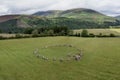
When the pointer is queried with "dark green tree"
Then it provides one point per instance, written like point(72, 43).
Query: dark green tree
point(91, 35)
point(112, 35)
point(28, 30)
point(0, 31)
point(84, 33)
point(50, 32)
point(35, 33)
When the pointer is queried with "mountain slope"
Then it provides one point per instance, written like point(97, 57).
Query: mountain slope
point(117, 17)
point(79, 13)
point(50, 14)
point(8, 17)
point(13, 23)
point(72, 13)
point(74, 19)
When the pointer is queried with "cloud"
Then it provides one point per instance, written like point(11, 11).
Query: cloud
point(109, 7)
point(3, 9)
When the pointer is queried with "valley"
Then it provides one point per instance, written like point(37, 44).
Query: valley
point(71, 44)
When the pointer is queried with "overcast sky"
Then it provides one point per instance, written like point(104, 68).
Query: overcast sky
point(108, 7)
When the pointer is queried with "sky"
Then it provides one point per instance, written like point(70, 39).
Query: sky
point(108, 7)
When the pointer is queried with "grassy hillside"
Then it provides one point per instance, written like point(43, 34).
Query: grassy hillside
point(8, 17)
point(17, 25)
point(79, 13)
point(74, 19)
point(85, 17)
point(100, 60)
point(51, 13)
point(117, 17)
point(10, 26)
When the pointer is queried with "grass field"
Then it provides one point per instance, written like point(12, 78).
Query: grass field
point(103, 31)
point(101, 59)
point(7, 35)
point(117, 30)
point(58, 52)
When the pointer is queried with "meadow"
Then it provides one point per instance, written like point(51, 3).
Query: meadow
point(7, 35)
point(117, 30)
point(100, 61)
point(103, 31)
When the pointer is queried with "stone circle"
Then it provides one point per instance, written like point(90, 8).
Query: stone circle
point(69, 57)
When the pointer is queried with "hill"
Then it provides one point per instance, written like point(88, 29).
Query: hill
point(73, 19)
point(117, 17)
point(8, 17)
point(50, 13)
point(79, 13)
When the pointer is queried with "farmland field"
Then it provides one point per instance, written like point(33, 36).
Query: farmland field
point(100, 60)
point(103, 31)
point(7, 35)
point(12, 35)
point(117, 30)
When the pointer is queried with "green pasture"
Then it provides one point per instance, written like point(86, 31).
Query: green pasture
point(100, 60)
point(103, 31)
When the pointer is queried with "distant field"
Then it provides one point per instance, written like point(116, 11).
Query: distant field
point(7, 35)
point(100, 61)
point(12, 35)
point(95, 31)
point(103, 31)
point(117, 30)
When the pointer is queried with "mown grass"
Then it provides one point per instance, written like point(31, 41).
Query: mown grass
point(58, 52)
point(101, 60)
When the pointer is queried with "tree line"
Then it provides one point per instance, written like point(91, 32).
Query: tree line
point(48, 31)
point(11, 26)
point(55, 31)
point(85, 33)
